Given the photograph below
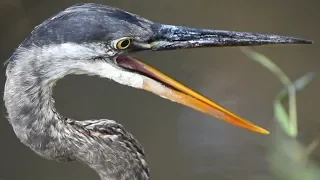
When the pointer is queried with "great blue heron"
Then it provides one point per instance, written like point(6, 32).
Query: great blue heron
point(93, 39)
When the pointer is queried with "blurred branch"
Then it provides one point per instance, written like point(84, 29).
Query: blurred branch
point(288, 122)
point(279, 110)
point(289, 159)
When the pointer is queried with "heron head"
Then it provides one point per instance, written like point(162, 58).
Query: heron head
point(103, 38)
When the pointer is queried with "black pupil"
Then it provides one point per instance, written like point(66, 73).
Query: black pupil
point(125, 43)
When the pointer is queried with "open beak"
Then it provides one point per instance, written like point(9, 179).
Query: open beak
point(167, 37)
point(166, 87)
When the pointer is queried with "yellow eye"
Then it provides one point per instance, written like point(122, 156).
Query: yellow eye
point(123, 43)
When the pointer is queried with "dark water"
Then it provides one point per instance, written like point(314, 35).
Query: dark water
point(180, 143)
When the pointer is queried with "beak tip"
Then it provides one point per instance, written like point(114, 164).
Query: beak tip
point(289, 40)
point(303, 41)
point(262, 131)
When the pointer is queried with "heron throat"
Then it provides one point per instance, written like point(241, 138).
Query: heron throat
point(31, 75)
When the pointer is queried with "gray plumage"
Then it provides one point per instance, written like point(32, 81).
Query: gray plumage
point(81, 40)
point(31, 74)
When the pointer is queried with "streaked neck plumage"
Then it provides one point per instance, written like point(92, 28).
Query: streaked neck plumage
point(31, 75)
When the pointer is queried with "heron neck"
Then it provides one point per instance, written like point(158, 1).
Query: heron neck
point(30, 107)
point(28, 97)
point(31, 75)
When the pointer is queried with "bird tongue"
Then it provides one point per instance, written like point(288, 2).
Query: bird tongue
point(140, 67)
point(129, 63)
point(166, 87)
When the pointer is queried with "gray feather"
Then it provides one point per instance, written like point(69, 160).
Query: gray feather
point(49, 54)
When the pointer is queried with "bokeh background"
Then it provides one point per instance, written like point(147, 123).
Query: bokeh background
point(180, 143)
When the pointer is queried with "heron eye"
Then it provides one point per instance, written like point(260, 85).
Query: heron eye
point(123, 43)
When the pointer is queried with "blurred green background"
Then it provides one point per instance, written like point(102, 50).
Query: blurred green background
point(181, 143)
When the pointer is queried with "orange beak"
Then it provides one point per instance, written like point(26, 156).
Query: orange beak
point(166, 87)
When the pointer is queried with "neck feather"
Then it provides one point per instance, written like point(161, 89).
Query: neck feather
point(31, 75)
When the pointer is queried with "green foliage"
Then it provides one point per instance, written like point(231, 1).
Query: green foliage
point(288, 158)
